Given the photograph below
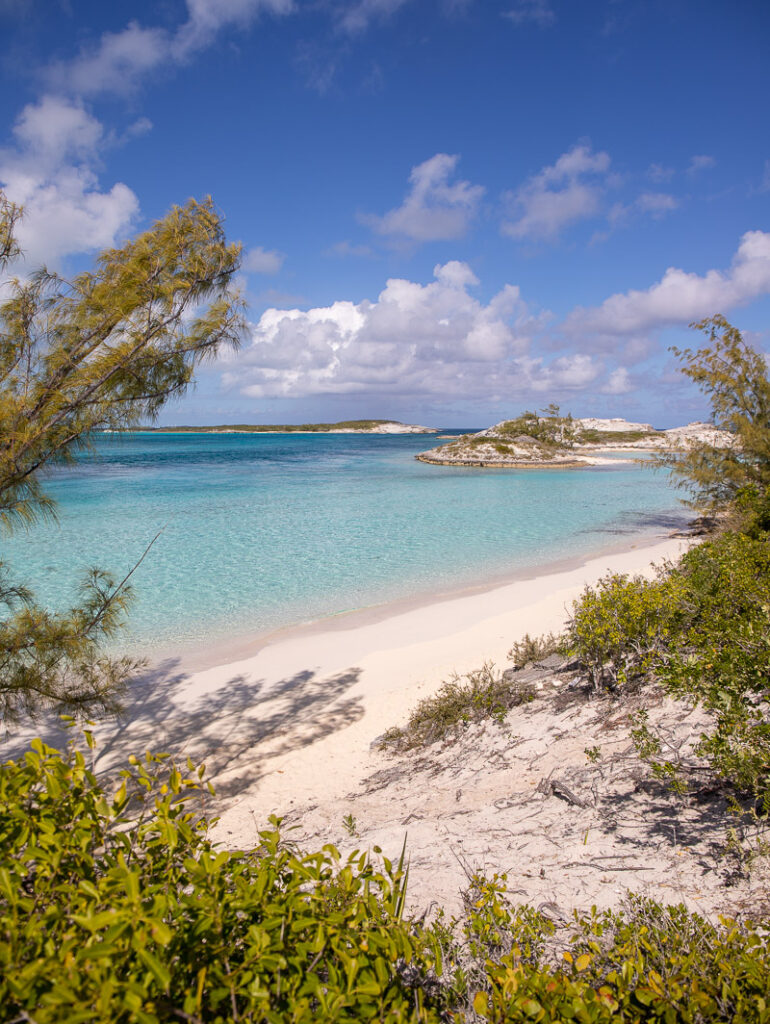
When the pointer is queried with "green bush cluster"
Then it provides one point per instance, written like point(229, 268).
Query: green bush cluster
point(620, 627)
point(642, 963)
point(702, 630)
point(117, 907)
point(458, 702)
point(550, 430)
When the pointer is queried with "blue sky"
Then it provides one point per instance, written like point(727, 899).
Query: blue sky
point(450, 209)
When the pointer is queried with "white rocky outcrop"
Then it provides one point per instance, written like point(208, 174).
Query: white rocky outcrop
point(615, 425)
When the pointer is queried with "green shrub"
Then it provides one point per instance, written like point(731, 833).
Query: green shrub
point(589, 435)
point(460, 701)
point(116, 907)
point(619, 628)
point(643, 963)
point(721, 655)
point(535, 648)
point(701, 629)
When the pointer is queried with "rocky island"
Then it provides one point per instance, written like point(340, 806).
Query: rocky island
point(550, 440)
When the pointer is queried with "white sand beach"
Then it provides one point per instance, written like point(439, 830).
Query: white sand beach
point(288, 729)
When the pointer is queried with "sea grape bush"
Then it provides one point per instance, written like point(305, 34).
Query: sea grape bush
point(117, 907)
point(643, 962)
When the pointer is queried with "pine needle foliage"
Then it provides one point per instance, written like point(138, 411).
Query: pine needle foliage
point(104, 350)
point(734, 377)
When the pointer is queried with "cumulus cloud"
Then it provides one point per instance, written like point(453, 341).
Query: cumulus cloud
point(432, 339)
point(561, 194)
point(435, 208)
point(263, 261)
point(680, 297)
point(50, 170)
point(119, 60)
point(538, 12)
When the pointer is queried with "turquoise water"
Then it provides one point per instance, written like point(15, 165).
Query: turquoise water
point(263, 531)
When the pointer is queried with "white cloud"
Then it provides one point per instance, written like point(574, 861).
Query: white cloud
point(617, 383)
point(680, 297)
point(207, 17)
point(435, 208)
point(51, 172)
point(538, 12)
point(435, 339)
point(116, 64)
point(357, 17)
point(700, 163)
point(263, 261)
point(561, 194)
point(121, 59)
point(656, 204)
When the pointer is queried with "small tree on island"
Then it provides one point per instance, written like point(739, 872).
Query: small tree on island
point(105, 350)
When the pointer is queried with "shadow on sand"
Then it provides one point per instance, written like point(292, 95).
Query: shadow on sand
point(236, 730)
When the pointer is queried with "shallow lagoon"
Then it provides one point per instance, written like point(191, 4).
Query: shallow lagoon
point(262, 531)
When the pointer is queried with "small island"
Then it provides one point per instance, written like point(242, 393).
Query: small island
point(343, 427)
point(550, 440)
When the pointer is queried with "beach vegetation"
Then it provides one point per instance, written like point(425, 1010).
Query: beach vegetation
point(115, 905)
point(642, 962)
point(459, 702)
point(590, 435)
point(734, 378)
point(701, 630)
point(531, 649)
point(104, 350)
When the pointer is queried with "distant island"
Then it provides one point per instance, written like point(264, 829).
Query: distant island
point(532, 441)
point(343, 427)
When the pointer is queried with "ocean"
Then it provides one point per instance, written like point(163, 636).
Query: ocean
point(262, 531)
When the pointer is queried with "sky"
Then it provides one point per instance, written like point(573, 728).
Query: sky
point(450, 210)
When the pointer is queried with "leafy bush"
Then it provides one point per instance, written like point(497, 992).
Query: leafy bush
point(484, 694)
point(721, 654)
point(701, 629)
point(548, 430)
point(643, 963)
point(589, 435)
point(117, 907)
point(620, 627)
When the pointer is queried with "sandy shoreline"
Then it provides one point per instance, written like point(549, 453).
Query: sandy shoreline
point(289, 728)
point(239, 645)
point(293, 721)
